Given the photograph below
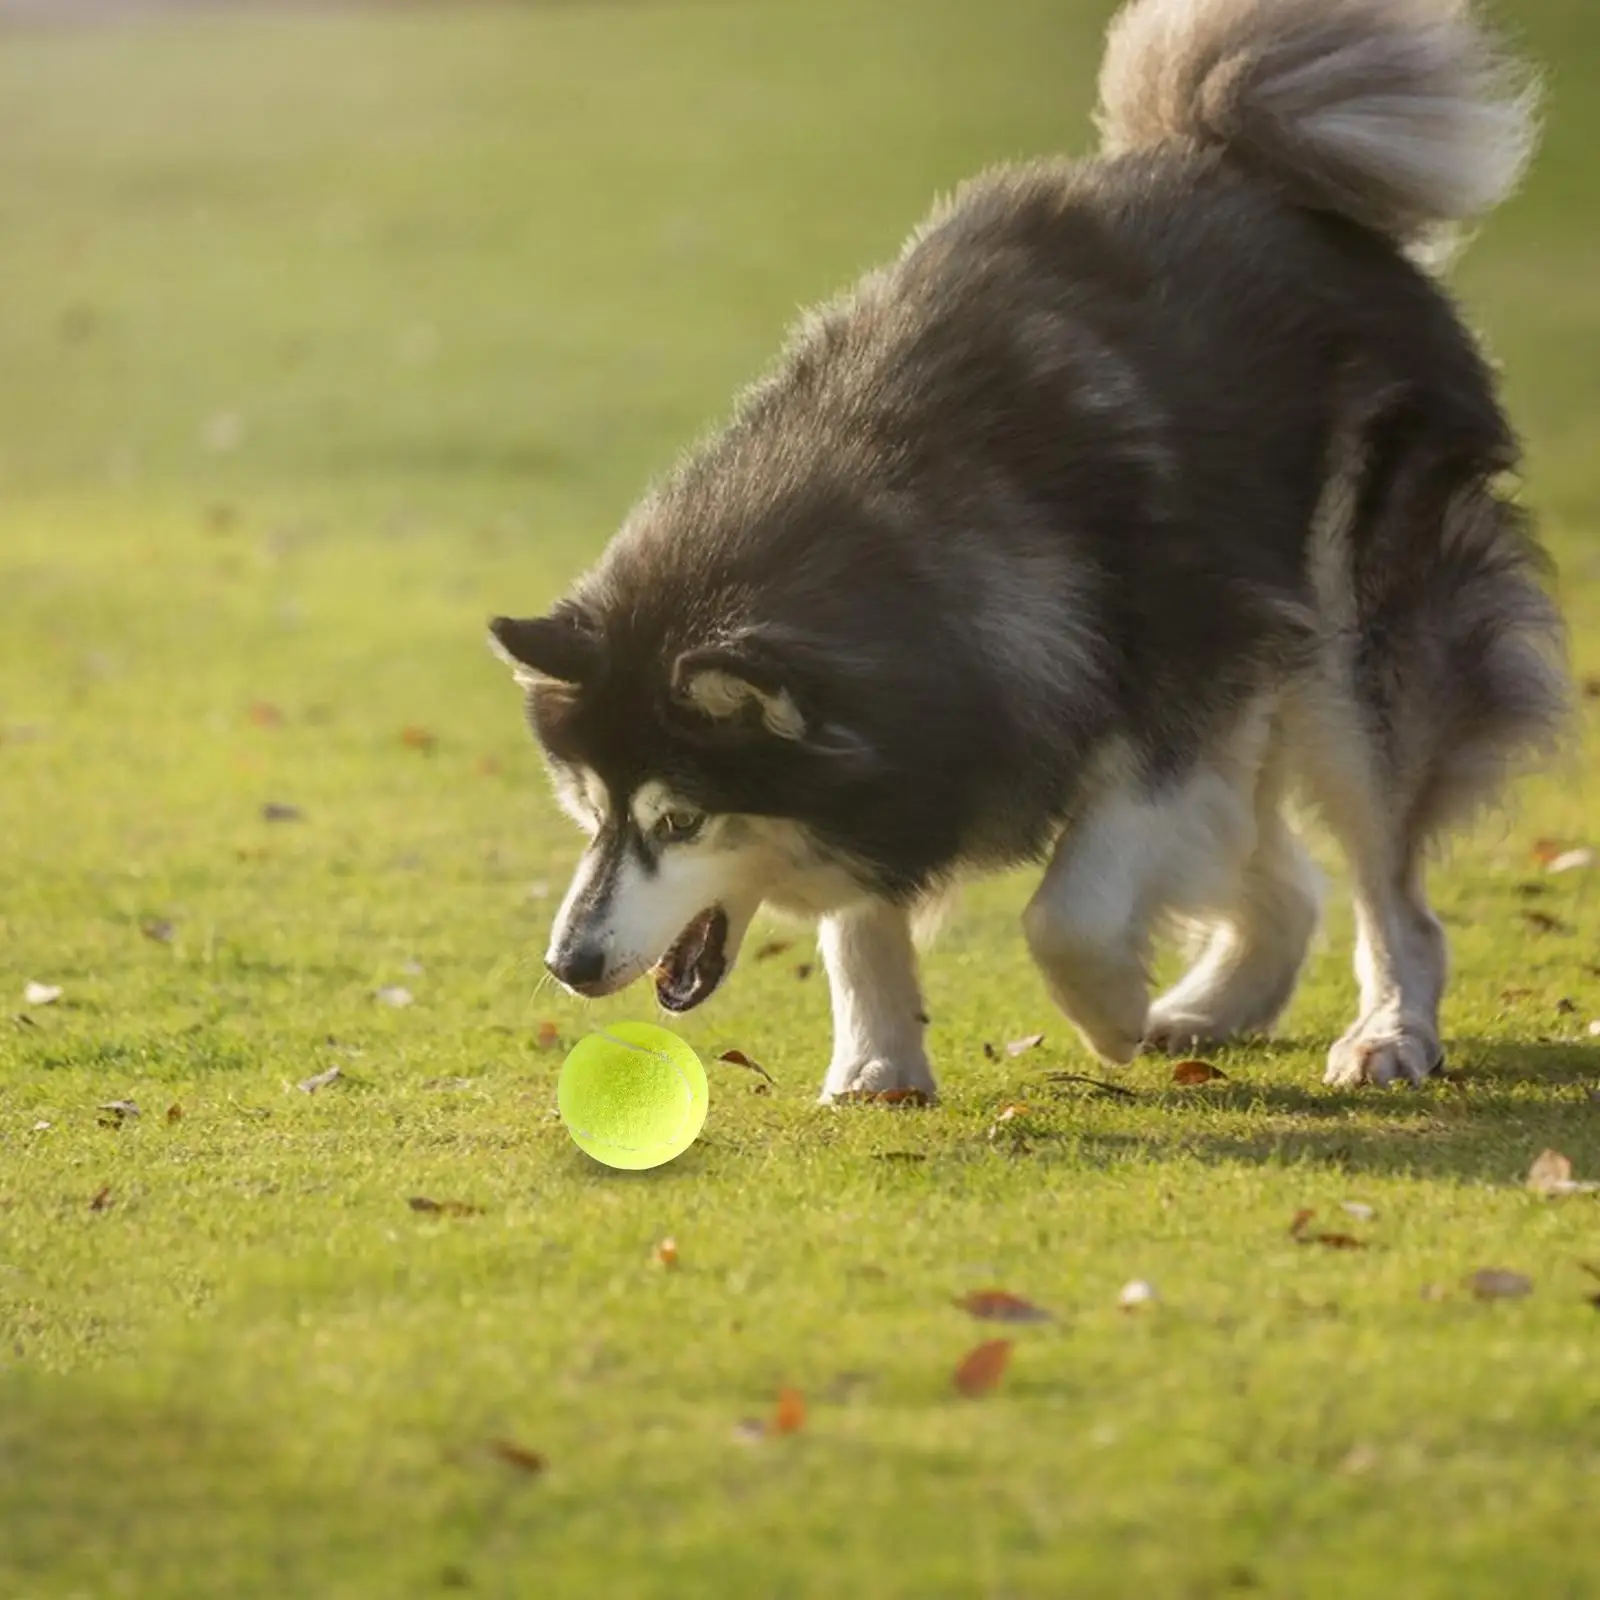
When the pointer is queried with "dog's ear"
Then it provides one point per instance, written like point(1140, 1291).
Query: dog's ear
point(755, 684)
point(739, 684)
point(559, 648)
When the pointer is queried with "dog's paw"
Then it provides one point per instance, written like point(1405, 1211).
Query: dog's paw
point(1184, 1032)
point(1384, 1050)
point(878, 1076)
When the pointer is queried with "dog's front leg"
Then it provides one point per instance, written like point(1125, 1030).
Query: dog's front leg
point(877, 1007)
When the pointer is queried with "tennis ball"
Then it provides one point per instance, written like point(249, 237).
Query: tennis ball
point(632, 1095)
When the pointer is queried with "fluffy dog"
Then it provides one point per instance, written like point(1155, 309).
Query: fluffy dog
point(1140, 495)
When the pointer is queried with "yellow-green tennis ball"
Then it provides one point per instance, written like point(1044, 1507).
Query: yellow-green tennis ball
point(633, 1095)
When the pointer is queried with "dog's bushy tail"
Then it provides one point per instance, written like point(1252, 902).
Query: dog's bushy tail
point(1403, 115)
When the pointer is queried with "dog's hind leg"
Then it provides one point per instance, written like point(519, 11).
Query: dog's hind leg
point(878, 1019)
point(1135, 856)
point(1452, 673)
point(1256, 943)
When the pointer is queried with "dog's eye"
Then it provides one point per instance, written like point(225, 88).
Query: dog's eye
point(677, 827)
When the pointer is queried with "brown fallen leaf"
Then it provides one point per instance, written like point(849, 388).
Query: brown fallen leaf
point(773, 947)
point(518, 1456)
point(996, 1305)
point(1334, 1241)
point(1019, 1047)
point(789, 1416)
point(174, 1113)
point(1546, 850)
point(1543, 922)
point(423, 739)
point(548, 1037)
point(1495, 1283)
point(102, 1198)
point(1551, 1174)
point(738, 1058)
point(982, 1368)
point(1189, 1073)
point(665, 1253)
point(263, 714)
point(444, 1208)
point(885, 1097)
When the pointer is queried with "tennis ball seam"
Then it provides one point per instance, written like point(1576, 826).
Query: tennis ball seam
point(665, 1060)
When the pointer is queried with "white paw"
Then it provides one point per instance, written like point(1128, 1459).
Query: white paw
point(1177, 1031)
point(1383, 1050)
point(879, 1076)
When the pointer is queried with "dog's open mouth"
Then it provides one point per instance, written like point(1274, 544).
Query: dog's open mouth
point(697, 962)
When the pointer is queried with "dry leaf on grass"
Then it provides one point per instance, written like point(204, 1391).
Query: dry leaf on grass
point(1137, 1293)
point(120, 1109)
point(1019, 1047)
point(265, 715)
point(1189, 1073)
point(423, 739)
point(804, 969)
point(443, 1208)
point(738, 1058)
point(518, 1456)
point(102, 1198)
point(548, 1037)
point(1496, 1283)
point(1543, 922)
point(773, 947)
point(1573, 860)
point(1546, 850)
point(665, 1253)
point(1334, 1241)
point(394, 995)
point(982, 1368)
point(996, 1305)
point(41, 994)
point(320, 1080)
point(884, 1097)
point(789, 1415)
point(1551, 1174)
point(279, 811)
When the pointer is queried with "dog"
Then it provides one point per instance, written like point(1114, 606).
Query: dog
point(1142, 498)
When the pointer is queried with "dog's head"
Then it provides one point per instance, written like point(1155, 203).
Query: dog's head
point(685, 762)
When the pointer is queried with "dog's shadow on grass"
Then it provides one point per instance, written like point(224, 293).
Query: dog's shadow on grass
point(1499, 1105)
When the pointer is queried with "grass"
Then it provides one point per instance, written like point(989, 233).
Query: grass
point(324, 336)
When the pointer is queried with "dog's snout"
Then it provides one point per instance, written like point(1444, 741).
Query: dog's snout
point(579, 967)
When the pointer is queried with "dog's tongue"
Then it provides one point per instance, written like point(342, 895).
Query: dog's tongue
point(691, 970)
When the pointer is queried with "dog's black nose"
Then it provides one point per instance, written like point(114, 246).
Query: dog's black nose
point(580, 967)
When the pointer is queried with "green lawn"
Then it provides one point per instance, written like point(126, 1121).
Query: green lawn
point(321, 338)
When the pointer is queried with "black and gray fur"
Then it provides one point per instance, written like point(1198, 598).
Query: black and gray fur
point(1140, 494)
